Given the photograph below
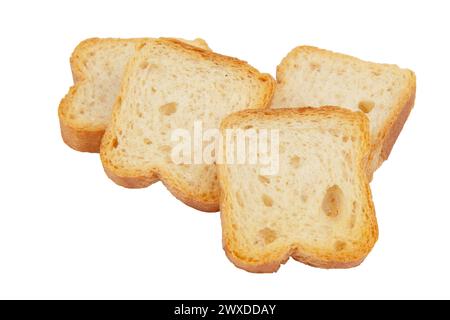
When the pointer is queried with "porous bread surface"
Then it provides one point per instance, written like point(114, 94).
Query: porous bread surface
point(313, 77)
point(317, 208)
point(97, 67)
point(168, 85)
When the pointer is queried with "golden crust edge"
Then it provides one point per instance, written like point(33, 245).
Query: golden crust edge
point(397, 121)
point(74, 135)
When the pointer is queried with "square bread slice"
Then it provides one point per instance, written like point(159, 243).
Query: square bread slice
point(97, 69)
point(316, 209)
point(313, 77)
point(169, 85)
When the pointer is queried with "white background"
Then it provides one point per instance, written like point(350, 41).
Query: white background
point(66, 231)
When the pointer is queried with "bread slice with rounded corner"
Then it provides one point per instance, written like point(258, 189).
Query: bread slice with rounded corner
point(313, 77)
point(168, 87)
point(317, 208)
point(97, 69)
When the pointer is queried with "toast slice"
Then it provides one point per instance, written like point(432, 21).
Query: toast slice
point(169, 85)
point(309, 76)
point(317, 208)
point(97, 68)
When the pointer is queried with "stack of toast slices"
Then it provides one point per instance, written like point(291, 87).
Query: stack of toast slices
point(329, 120)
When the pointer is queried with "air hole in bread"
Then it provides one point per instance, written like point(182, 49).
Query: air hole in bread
point(332, 201)
point(376, 73)
point(340, 245)
point(314, 66)
point(334, 133)
point(345, 138)
point(147, 141)
point(268, 235)
point(295, 162)
point(268, 201)
point(143, 65)
point(366, 105)
point(114, 143)
point(348, 158)
point(168, 109)
point(165, 148)
point(264, 179)
point(352, 221)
